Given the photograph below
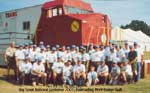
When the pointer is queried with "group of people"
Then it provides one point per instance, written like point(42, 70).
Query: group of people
point(75, 65)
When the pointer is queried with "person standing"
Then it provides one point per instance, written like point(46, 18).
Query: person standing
point(10, 58)
point(19, 57)
point(140, 57)
point(132, 57)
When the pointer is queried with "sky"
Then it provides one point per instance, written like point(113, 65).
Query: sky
point(120, 12)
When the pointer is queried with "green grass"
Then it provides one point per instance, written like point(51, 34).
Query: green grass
point(147, 55)
point(143, 86)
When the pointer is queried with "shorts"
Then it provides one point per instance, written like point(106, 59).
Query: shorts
point(134, 66)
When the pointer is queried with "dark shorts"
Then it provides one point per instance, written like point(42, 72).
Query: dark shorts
point(11, 62)
point(134, 66)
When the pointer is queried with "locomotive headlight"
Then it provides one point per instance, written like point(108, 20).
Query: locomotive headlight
point(75, 26)
point(103, 38)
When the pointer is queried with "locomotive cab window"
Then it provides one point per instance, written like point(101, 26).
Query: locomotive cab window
point(57, 11)
point(54, 12)
point(75, 10)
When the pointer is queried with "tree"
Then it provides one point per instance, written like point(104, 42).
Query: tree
point(138, 25)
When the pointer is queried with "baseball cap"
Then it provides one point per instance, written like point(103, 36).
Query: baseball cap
point(57, 46)
point(73, 46)
point(48, 46)
point(41, 42)
point(54, 48)
point(68, 48)
point(135, 43)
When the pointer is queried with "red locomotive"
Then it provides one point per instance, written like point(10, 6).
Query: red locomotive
point(67, 22)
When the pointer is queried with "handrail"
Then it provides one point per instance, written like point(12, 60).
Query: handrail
point(13, 33)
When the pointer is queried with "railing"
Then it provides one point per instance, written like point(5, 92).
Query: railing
point(14, 36)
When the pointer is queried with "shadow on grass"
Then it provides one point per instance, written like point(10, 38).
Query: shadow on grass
point(11, 79)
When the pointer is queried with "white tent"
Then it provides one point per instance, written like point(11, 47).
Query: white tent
point(122, 35)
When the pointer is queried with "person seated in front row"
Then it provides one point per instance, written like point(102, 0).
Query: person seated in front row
point(57, 69)
point(122, 77)
point(79, 75)
point(92, 77)
point(128, 71)
point(38, 72)
point(103, 72)
point(114, 75)
point(25, 68)
point(67, 73)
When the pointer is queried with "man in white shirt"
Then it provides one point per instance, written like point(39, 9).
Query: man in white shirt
point(68, 55)
point(10, 57)
point(51, 58)
point(110, 58)
point(79, 71)
point(33, 54)
point(38, 71)
point(25, 68)
point(95, 57)
point(67, 73)
point(128, 70)
point(102, 72)
point(140, 57)
point(126, 49)
point(85, 58)
point(57, 71)
point(62, 53)
point(42, 55)
point(75, 56)
point(19, 57)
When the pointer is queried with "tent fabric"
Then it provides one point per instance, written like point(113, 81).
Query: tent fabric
point(131, 36)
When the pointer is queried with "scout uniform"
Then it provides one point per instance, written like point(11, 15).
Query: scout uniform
point(79, 75)
point(25, 70)
point(9, 57)
point(32, 55)
point(38, 71)
point(68, 55)
point(115, 72)
point(42, 55)
point(95, 57)
point(20, 56)
point(67, 71)
point(85, 58)
point(92, 77)
point(102, 72)
point(128, 71)
point(57, 71)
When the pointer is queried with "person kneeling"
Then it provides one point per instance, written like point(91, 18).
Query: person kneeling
point(92, 77)
point(25, 68)
point(115, 73)
point(102, 72)
point(57, 71)
point(67, 71)
point(128, 71)
point(79, 75)
point(38, 72)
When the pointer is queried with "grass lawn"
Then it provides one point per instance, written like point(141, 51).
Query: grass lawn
point(147, 55)
point(143, 86)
